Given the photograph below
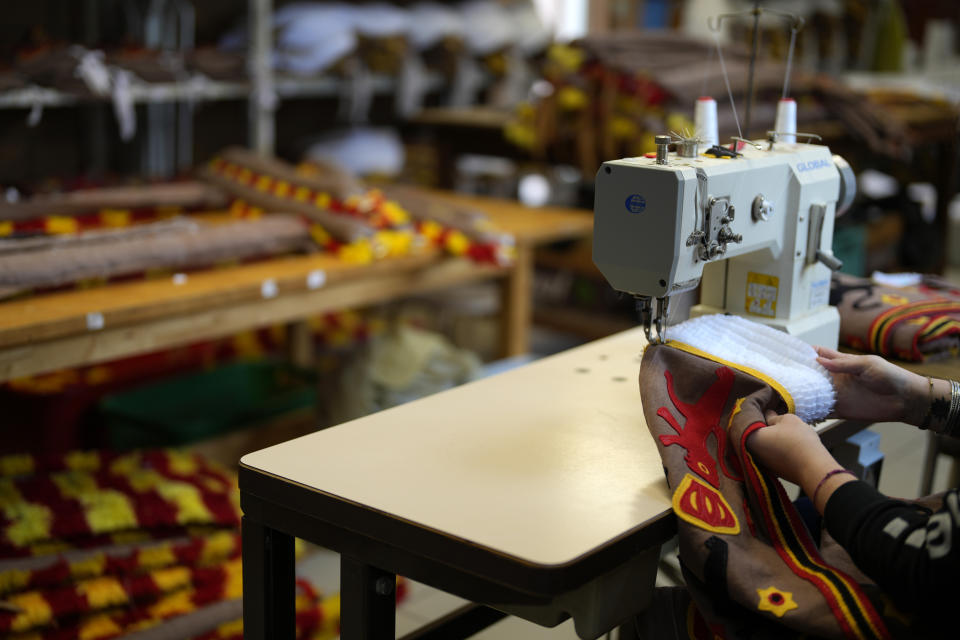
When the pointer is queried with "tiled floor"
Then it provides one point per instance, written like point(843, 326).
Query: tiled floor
point(903, 447)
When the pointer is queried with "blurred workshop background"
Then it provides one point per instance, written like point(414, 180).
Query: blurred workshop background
point(227, 223)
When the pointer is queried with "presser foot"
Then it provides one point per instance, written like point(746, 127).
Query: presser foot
point(653, 320)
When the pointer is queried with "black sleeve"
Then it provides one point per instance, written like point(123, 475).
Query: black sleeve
point(911, 553)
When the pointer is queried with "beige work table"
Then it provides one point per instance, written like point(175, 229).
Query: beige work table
point(537, 492)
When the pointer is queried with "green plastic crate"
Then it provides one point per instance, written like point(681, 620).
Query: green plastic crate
point(203, 405)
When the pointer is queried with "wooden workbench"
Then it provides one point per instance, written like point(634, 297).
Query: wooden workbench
point(66, 329)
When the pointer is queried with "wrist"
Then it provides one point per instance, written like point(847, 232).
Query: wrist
point(917, 399)
point(831, 481)
point(933, 406)
point(814, 470)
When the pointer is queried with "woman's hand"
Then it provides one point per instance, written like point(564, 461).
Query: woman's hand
point(790, 448)
point(871, 388)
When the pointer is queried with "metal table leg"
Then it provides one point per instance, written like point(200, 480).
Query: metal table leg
point(368, 603)
point(268, 583)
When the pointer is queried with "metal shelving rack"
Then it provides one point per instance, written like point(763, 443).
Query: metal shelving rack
point(206, 90)
point(264, 89)
point(263, 97)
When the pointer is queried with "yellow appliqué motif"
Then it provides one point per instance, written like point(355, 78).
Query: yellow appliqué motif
point(776, 601)
point(703, 506)
point(737, 407)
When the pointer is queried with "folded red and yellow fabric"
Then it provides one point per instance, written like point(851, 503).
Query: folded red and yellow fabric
point(910, 323)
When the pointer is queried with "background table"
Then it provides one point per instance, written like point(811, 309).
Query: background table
point(48, 332)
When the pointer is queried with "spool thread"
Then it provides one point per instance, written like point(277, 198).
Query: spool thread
point(786, 122)
point(705, 120)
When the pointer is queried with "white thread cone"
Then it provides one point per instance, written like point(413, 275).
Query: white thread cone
point(786, 123)
point(705, 120)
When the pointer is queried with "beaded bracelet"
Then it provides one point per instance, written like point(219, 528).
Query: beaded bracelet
point(829, 475)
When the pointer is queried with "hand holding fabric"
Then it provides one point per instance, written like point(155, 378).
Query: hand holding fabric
point(873, 389)
point(791, 449)
point(787, 446)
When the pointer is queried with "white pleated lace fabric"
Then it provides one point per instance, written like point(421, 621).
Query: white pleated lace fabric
point(785, 358)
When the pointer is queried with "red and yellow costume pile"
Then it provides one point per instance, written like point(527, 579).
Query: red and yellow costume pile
point(357, 223)
point(95, 545)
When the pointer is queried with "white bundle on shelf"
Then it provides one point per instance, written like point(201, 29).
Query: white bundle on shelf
point(381, 20)
point(310, 37)
point(530, 34)
point(362, 151)
point(313, 37)
point(491, 26)
point(432, 22)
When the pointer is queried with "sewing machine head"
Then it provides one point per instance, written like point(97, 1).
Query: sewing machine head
point(754, 228)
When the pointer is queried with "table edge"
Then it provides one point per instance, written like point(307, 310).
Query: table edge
point(418, 539)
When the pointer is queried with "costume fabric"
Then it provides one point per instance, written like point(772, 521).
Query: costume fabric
point(910, 323)
point(750, 564)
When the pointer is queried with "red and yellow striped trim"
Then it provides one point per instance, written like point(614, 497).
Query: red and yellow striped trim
point(880, 333)
point(851, 608)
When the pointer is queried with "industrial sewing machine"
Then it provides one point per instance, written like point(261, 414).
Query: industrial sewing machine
point(753, 228)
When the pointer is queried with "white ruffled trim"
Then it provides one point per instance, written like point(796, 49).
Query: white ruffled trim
point(788, 360)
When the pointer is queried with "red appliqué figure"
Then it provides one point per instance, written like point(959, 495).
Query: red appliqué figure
point(703, 419)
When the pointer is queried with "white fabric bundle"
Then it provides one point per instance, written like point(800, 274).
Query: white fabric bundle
point(530, 34)
point(361, 150)
point(381, 20)
point(785, 358)
point(432, 23)
point(491, 26)
point(311, 36)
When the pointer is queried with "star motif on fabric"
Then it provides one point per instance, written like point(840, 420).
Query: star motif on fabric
point(775, 601)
